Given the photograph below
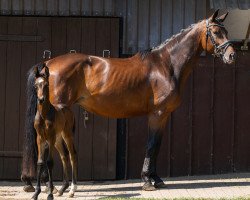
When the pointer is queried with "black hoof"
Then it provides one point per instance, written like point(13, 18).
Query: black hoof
point(148, 186)
point(28, 188)
point(62, 190)
point(160, 184)
point(50, 197)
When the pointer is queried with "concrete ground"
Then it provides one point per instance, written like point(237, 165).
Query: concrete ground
point(214, 187)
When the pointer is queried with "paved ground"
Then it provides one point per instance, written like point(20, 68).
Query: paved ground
point(223, 186)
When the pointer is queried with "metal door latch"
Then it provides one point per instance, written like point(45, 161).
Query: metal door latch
point(106, 53)
point(45, 53)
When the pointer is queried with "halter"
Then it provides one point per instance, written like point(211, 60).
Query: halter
point(219, 50)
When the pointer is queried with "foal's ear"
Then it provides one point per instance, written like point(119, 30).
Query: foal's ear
point(46, 72)
point(36, 72)
point(213, 17)
point(222, 17)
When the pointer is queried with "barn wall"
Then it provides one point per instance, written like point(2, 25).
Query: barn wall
point(146, 23)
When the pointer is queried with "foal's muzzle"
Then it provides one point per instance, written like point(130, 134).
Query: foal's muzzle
point(40, 100)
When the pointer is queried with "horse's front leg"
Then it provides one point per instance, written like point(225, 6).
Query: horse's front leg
point(40, 165)
point(152, 150)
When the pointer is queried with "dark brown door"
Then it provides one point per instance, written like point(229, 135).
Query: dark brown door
point(22, 42)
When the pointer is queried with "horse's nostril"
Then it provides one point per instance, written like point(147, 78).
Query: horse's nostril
point(232, 56)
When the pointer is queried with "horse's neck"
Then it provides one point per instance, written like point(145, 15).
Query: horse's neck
point(184, 51)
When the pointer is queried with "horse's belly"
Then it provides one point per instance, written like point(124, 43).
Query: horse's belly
point(115, 106)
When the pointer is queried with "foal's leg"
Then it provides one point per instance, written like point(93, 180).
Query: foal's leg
point(64, 157)
point(50, 167)
point(153, 145)
point(40, 165)
point(68, 138)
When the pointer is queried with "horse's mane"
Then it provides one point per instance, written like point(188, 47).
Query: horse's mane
point(170, 41)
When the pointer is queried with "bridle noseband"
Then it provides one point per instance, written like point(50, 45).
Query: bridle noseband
point(219, 50)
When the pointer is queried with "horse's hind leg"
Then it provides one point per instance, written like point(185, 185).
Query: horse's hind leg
point(152, 150)
point(68, 138)
point(64, 157)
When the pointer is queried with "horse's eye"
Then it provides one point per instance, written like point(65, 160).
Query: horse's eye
point(216, 32)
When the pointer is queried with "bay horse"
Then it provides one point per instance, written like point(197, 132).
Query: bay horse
point(149, 83)
point(53, 125)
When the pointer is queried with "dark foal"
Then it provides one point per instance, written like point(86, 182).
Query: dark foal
point(53, 126)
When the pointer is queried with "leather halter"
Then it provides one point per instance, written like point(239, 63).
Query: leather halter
point(219, 50)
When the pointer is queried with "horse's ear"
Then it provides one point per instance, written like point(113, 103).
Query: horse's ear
point(46, 72)
point(213, 17)
point(222, 17)
point(36, 72)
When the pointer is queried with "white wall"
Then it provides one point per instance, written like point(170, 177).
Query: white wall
point(237, 23)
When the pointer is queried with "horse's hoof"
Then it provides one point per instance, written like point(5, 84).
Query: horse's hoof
point(59, 193)
point(47, 190)
point(28, 188)
point(148, 186)
point(71, 194)
point(50, 197)
point(160, 184)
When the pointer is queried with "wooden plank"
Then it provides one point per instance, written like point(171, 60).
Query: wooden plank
point(178, 13)
point(200, 10)
point(189, 12)
point(85, 147)
point(202, 116)
point(63, 7)
point(98, 7)
point(155, 23)
point(28, 55)
point(74, 7)
point(21, 38)
point(44, 27)
point(115, 35)
point(86, 7)
point(17, 7)
point(132, 28)
point(28, 7)
point(166, 19)
point(100, 130)
point(143, 24)
point(108, 7)
point(40, 7)
point(5, 7)
point(12, 109)
point(223, 115)
point(3, 66)
point(52, 7)
point(242, 137)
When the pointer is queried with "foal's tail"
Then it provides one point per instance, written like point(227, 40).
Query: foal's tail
point(29, 142)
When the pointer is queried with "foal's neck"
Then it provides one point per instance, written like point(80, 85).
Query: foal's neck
point(44, 108)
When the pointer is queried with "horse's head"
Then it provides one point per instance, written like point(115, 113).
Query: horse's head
point(215, 38)
point(42, 84)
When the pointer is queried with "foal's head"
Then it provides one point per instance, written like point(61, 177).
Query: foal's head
point(215, 38)
point(42, 84)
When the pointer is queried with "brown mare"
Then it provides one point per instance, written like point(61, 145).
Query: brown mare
point(149, 83)
point(53, 126)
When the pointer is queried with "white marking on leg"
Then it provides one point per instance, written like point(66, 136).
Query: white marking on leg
point(72, 189)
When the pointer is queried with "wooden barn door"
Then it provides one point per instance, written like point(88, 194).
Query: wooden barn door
point(22, 42)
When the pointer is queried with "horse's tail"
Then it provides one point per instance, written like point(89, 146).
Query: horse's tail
point(29, 161)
